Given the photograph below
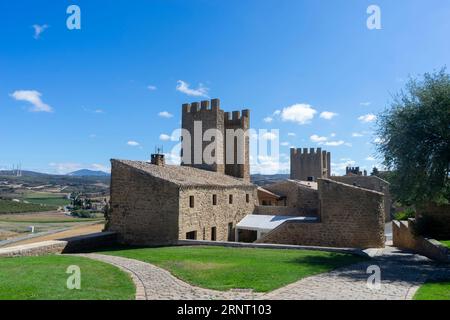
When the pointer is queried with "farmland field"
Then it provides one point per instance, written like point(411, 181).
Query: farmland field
point(46, 198)
point(8, 206)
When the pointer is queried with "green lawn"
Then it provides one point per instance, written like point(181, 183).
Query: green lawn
point(446, 243)
point(222, 268)
point(434, 291)
point(8, 206)
point(44, 278)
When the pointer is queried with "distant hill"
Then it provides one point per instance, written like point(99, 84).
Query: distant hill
point(88, 173)
point(262, 179)
point(25, 173)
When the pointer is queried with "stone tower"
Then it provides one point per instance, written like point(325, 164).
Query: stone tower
point(313, 164)
point(198, 118)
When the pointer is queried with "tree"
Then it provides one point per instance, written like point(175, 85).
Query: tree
point(375, 172)
point(415, 140)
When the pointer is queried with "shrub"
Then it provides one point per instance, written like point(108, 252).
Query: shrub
point(405, 214)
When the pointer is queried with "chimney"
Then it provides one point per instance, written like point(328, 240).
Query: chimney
point(158, 159)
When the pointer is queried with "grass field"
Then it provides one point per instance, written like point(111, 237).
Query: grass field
point(7, 206)
point(47, 198)
point(45, 278)
point(446, 243)
point(228, 268)
point(434, 291)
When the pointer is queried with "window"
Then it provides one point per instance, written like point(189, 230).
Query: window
point(191, 201)
point(214, 199)
point(204, 233)
point(213, 233)
point(230, 199)
point(247, 198)
point(191, 235)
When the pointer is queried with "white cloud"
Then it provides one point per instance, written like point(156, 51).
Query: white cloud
point(371, 159)
point(328, 115)
point(367, 118)
point(316, 138)
point(299, 113)
point(151, 88)
point(333, 135)
point(133, 143)
point(33, 97)
point(183, 87)
point(285, 144)
point(339, 168)
point(378, 140)
point(268, 119)
point(164, 137)
point(357, 135)
point(269, 165)
point(334, 143)
point(291, 134)
point(92, 136)
point(38, 29)
point(365, 104)
point(269, 136)
point(165, 114)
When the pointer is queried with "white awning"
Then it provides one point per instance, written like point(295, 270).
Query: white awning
point(266, 223)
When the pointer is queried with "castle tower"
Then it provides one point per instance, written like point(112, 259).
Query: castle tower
point(237, 144)
point(202, 122)
point(313, 164)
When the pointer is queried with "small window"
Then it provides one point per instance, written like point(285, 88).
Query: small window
point(230, 199)
point(214, 199)
point(191, 235)
point(191, 201)
point(247, 198)
point(213, 233)
point(204, 233)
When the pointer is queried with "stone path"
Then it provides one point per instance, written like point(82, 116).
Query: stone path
point(401, 275)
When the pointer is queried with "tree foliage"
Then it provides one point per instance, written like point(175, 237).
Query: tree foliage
point(415, 140)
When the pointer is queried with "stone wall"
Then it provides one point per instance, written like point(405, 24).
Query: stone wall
point(403, 237)
point(349, 217)
point(144, 209)
point(371, 183)
point(70, 245)
point(304, 199)
point(276, 211)
point(205, 215)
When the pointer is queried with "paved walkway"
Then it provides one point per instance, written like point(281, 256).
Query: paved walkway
point(401, 275)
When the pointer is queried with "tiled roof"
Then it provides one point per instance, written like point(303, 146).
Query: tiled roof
point(185, 176)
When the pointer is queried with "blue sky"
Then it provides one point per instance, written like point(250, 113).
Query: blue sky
point(107, 84)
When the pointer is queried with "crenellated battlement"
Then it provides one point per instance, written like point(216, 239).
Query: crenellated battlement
point(205, 105)
point(310, 163)
point(306, 151)
point(236, 117)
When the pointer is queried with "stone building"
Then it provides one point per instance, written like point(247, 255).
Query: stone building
point(348, 216)
point(223, 135)
point(311, 165)
point(154, 203)
point(372, 183)
point(157, 204)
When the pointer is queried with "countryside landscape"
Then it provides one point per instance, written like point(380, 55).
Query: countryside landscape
point(248, 155)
